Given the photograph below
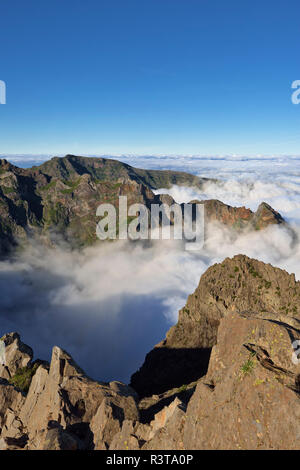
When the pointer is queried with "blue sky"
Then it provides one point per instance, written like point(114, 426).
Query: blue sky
point(149, 77)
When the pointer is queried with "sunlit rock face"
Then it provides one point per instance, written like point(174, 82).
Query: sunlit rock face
point(243, 394)
point(58, 199)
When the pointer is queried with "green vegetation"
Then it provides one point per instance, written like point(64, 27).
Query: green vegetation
point(48, 186)
point(55, 215)
point(111, 185)
point(248, 366)
point(130, 218)
point(67, 191)
point(102, 170)
point(23, 376)
point(72, 186)
point(183, 388)
point(253, 272)
point(7, 189)
point(258, 382)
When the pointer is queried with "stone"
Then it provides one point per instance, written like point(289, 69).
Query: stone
point(17, 355)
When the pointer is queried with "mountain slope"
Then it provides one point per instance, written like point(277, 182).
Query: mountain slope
point(59, 198)
point(238, 285)
point(247, 398)
point(103, 169)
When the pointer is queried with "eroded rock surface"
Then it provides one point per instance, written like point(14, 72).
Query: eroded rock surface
point(240, 218)
point(239, 284)
point(244, 312)
point(17, 355)
point(59, 199)
point(249, 398)
point(64, 408)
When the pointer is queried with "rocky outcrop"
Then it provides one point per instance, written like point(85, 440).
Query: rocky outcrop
point(17, 355)
point(59, 199)
point(240, 218)
point(244, 312)
point(11, 402)
point(250, 396)
point(165, 431)
point(264, 216)
point(240, 285)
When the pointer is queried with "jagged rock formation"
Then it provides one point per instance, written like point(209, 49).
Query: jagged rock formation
point(17, 355)
point(60, 198)
point(240, 285)
point(240, 218)
point(63, 409)
point(244, 313)
point(251, 389)
point(249, 398)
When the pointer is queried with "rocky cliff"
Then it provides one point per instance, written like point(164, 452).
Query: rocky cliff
point(226, 376)
point(59, 198)
point(240, 285)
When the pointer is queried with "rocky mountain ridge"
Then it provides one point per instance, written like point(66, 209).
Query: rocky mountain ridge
point(238, 390)
point(58, 199)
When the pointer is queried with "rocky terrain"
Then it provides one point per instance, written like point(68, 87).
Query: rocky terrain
point(223, 378)
point(240, 218)
point(58, 199)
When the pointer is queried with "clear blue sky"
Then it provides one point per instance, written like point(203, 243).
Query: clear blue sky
point(150, 76)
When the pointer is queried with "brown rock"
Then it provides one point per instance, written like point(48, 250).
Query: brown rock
point(11, 401)
point(240, 218)
point(59, 439)
point(126, 438)
point(167, 429)
point(17, 355)
point(244, 312)
point(249, 398)
point(65, 395)
point(239, 284)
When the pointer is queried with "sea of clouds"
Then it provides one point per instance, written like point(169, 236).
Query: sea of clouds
point(108, 305)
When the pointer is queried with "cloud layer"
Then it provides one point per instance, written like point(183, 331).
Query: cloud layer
point(109, 304)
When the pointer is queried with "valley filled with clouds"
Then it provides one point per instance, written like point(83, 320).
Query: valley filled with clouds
point(108, 305)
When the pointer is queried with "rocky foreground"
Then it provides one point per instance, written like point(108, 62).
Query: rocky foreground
point(225, 377)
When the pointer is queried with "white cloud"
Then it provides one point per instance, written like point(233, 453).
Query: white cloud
point(109, 304)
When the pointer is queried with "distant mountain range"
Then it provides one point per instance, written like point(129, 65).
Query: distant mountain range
point(60, 197)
